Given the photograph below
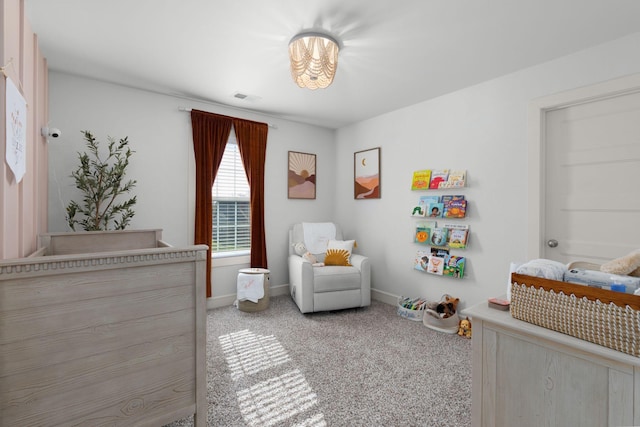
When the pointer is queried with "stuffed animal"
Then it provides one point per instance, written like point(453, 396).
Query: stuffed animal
point(301, 250)
point(465, 328)
point(446, 307)
point(627, 265)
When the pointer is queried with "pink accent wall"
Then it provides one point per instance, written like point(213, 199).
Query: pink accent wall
point(23, 206)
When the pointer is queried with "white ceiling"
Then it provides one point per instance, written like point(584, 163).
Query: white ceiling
point(396, 53)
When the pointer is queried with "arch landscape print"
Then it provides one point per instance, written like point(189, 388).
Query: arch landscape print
point(302, 175)
point(366, 172)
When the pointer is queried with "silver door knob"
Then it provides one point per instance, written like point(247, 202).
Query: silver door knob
point(552, 243)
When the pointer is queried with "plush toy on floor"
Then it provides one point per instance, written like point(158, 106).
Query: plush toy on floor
point(627, 265)
point(441, 316)
point(446, 307)
point(465, 328)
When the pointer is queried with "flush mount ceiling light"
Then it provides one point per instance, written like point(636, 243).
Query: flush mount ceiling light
point(314, 59)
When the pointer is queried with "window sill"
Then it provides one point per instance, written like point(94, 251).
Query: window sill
point(224, 260)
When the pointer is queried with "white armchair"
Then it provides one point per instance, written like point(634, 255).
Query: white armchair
point(328, 287)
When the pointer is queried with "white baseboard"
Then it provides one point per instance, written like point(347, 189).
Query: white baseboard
point(384, 297)
point(226, 300)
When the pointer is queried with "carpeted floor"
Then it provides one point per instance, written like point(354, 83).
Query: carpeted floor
point(358, 367)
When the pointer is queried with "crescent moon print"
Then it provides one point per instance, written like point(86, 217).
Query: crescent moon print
point(302, 175)
point(367, 174)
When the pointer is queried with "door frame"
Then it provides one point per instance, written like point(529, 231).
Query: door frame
point(536, 145)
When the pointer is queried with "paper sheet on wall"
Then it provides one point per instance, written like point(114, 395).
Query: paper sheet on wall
point(16, 110)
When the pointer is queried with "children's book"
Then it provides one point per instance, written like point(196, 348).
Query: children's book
point(439, 236)
point(435, 210)
point(418, 211)
point(438, 176)
point(454, 266)
point(427, 224)
point(422, 235)
point(423, 205)
point(427, 200)
point(455, 209)
point(453, 225)
point(458, 235)
point(436, 265)
point(421, 261)
point(421, 180)
point(441, 252)
point(457, 238)
point(448, 197)
point(456, 178)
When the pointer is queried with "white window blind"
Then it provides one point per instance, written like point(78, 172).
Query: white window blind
point(231, 212)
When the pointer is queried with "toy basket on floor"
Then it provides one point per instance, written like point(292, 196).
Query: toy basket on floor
point(607, 318)
point(409, 313)
point(448, 325)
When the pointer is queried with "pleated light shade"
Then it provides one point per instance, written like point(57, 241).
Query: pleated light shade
point(314, 60)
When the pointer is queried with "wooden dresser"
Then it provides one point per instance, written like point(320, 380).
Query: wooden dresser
point(526, 375)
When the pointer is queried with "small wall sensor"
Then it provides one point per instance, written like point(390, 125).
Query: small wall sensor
point(50, 132)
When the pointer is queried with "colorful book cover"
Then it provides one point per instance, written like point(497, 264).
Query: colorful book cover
point(436, 265)
point(421, 261)
point(441, 252)
point(435, 210)
point(438, 176)
point(427, 224)
point(427, 200)
point(448, 197)
point(422, 235)
point(454, 266)
point(418, 211)
point(452, 226)
point(439, 236)
point(457, 238)
point(421, 180)
point(455, 209)
point(423, 205)
point(456, 178)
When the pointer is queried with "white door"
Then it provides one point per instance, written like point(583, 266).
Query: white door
point(591, 172)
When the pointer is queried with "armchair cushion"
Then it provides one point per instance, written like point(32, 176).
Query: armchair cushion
point(335, 278)
point(339, 252)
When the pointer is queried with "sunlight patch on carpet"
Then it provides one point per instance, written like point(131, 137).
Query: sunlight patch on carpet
point(248, 353)
point(277, 399)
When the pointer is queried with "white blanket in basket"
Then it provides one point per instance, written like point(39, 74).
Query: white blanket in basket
point(250, 287)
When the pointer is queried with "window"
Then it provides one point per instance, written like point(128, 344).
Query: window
point(231, 212)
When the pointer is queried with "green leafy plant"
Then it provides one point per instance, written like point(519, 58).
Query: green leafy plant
point(102, 182)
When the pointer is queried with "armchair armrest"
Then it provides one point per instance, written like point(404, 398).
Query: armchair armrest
point(301, 282)
point(363, 264)
point(359, 261)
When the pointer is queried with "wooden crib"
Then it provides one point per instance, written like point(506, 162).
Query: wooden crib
point(103, 328)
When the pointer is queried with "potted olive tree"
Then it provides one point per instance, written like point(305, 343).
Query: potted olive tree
point(102, 183)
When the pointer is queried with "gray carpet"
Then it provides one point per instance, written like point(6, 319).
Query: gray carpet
point(357, 367)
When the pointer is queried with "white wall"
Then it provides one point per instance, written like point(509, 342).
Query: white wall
point(482, 129)
point(164, 166)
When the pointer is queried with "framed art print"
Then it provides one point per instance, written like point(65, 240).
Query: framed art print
point(366, 174)
point(302, 175)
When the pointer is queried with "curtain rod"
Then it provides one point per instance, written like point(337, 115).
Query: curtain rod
point(188, 110)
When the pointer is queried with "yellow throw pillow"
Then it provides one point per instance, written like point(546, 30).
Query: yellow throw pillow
point(339, 252)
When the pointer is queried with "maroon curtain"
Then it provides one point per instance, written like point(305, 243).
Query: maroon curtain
point(210, 135)
point(252, 142)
